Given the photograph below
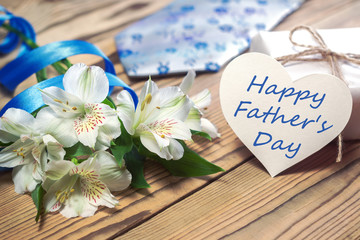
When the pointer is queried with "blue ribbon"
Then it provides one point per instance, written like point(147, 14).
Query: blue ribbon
point(24, 66)
point(11, 40)
point(31, 99)
point(31, 62)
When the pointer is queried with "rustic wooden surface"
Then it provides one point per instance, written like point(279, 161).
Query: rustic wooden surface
point(315, 199)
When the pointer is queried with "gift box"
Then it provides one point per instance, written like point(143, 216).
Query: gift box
point(277, 44)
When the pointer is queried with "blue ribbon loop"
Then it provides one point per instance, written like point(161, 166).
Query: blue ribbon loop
point(31, 62)
point(10, 42)
point(31, 99)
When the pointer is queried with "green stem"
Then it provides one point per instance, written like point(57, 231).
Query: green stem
point(41, 75)
point(25, 39)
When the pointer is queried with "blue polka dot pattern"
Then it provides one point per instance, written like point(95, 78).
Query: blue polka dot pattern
point(202, 35)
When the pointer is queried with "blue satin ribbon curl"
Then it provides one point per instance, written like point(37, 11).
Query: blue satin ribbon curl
point(31, 99)
point(24, 66)
point(31, 62)
point(10, 42)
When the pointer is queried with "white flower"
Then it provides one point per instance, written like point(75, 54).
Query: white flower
point(158, 119)
point(77, 113)
point(30, 151)
point(78, 190)
point(202, 101)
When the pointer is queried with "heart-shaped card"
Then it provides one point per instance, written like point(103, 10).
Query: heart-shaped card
point(282, 121)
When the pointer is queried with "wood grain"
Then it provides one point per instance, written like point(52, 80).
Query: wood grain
point(316, 199)
point(297, 204)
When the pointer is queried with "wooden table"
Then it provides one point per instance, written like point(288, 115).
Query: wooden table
point(316, 199)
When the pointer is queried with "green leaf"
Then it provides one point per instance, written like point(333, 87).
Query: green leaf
point(135, 164)
point(37, 197)
point(77, 151)
point(190, 165)
point(201, 134)
point(120, 146)
point(108, 101)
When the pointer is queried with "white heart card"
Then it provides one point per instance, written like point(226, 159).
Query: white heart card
point(279, 120)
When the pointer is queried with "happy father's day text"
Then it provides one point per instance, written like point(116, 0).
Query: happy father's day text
point(274, 113)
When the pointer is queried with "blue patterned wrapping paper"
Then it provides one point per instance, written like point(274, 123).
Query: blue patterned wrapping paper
point(200, 35)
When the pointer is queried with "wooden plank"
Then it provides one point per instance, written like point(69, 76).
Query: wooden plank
point(82, 19)
point(314, 199)
point(54, 18)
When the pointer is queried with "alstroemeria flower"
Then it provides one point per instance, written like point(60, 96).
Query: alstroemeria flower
point(78, 190)
point(31, 150)
point(77, 113)
point(158, 119)
point(201, 101)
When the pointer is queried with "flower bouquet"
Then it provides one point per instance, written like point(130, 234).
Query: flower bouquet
point(70, 144)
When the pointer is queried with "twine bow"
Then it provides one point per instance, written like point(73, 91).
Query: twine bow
point(327, 55)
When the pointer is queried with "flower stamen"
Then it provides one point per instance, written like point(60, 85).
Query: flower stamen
point(147, 100)
point(61, 196)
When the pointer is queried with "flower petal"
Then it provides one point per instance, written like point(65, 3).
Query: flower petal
point(92, 188)
point(55, 207)
point(51, 204)
point(169, 102)
point(144, 107)
point(126, 110)
point(90, 84)
point(87, 127)
point(77, 205)
point(149, 87)
point(18, 153)
point(193, 119)
point(158, 134)
point(87, 133)
point(54, 149)
point(64, 184)
point(6, 137)
point(188, 81)
point(62, 129)
point(175, 149)
point(171, 128)
point(167, 97)
point(40, 157)
point(23, 178)
point(162, 141)
point(107, 199)
point(115, 177)
point(202, 99)
point(209, 128)
point(63, 103)
point(148, 140)
point(58, 169)
point(14, 123)
point(109, 130)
